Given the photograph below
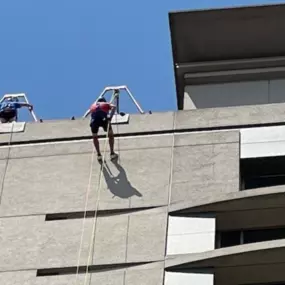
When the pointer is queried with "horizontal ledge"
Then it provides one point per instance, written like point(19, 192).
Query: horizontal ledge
point(245, 254)
point(234, 72)
point(173, 13)
point(85, 269)
point(91, 214)
point(230, 62)
point(216, 204)
point(141, 134)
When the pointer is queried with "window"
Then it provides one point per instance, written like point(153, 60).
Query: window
point(282, 283)
point(252, 236)
point(262, 172)
point(232, 238)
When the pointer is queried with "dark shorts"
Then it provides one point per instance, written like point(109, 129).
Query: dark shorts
point(8, 116)
point(99, 120)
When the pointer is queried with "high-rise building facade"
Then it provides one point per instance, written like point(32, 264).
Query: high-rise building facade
point(197, 195)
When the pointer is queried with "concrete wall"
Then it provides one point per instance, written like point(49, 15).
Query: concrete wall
point(234, 94)
point(30, 242)
point(128, 276)
point(52, 178)
point(205, 164)
point(45, 175)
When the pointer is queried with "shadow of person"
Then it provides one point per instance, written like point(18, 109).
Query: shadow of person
point(119, 185)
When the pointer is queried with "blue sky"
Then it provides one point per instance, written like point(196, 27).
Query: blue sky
point(62, 53)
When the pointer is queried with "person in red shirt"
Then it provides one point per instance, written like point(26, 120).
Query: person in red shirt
point(101, 115)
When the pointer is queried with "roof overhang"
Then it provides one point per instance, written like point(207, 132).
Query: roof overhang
point(226, 40)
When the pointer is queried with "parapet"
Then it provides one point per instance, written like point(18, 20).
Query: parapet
point(156, 123)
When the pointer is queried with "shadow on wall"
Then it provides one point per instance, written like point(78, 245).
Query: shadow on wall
point(119, 185)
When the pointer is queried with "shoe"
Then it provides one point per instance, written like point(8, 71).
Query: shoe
point(99, 158)
point(113, 156)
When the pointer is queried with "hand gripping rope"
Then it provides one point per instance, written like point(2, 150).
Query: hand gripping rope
point(93, 234)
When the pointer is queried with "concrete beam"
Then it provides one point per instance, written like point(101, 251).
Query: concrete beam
point(255, 253)
point(270, 197)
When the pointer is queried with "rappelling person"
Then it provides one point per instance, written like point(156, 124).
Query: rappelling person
point(9, 109)
point(101, 115)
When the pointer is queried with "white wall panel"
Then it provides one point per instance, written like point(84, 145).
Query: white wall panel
point(189, 225)
point(177, 278)
point(225, 95)
point(234, 94)
point(190, 235)
point(262, 142)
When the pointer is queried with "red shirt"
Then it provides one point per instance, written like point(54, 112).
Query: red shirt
point(104, 106)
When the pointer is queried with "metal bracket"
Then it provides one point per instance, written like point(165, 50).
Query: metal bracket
point(115, 100)
point(18, 96)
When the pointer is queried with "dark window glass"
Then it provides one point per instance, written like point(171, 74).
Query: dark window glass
point(264, 181)
point(280, 283)
point(230, 238)
point(262, 172)
point(263, 235)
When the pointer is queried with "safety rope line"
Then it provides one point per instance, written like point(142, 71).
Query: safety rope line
point(85, 212)
point(7, 161)
point(93, 234)
point(169, 192)
point(118, 139)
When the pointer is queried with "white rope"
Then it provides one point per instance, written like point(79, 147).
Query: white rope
point(171, 170)
point(170, 188)
point(7, 161)
point(85, 212)
point(92, 240)
point(118, 139)
point(93, 235)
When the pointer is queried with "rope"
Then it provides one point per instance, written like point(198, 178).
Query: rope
point(86, 205)
point(85, 212)
point(118, 139)
point(170, 188)
point(93, 235)
point(7, 160)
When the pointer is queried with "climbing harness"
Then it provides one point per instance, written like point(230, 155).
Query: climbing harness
point(115, 98)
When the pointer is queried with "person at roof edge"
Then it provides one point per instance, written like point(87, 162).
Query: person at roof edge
point(9, 109)
point(101, 115)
